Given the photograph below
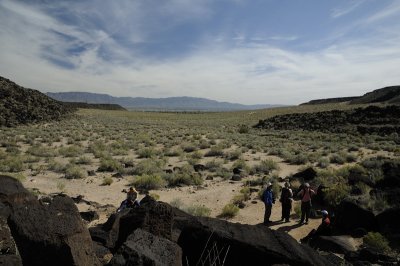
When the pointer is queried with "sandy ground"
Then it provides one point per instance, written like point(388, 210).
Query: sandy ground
point(213, 194)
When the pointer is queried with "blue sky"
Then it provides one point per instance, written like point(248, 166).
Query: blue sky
point(254, 51)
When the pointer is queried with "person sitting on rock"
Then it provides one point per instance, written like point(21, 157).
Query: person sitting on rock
point(131, 194)
point(324, 229)
point(305, 193)
point(268, 199)
point(286, 200)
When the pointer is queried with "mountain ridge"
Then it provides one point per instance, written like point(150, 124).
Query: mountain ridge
point(169, 103)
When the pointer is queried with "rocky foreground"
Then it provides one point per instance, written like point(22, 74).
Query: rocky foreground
point(51, 231)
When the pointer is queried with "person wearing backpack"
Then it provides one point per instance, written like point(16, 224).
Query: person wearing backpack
point(268, 199)
point(305, 193)
point(286, 201)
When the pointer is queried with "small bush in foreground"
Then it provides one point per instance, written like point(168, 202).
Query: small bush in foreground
point(377, 242)
point(229, 211)
point(198, 210)
point(107, 181)
point(177, 203)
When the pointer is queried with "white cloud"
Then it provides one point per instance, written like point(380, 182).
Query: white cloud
point(247, 73)
point(344, 10)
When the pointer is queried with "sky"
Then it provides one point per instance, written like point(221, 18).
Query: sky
point(242, 51)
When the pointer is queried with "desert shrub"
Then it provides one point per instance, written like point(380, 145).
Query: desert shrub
point(109, 165)
point(31, 159)
point(189, 147)
point(40, 151)
point(204, 144)
point(230, 210)
point(74, 172)
point(243, 129)
point(223, 173)
point(70, 151)
point(265, 166)
point(146, 153)
point(61, 186)
point(337, 192)
point(99, 149)
point(83, 160)
point(174, 152)
point(55, 166)
point(378, 203)
point(376, 241)
point(323, 162)
point(184, 178)
point(215, 151)
point(214, 165)
point(177, 203)
point(148, 182)
point(298, 159)
point(351, 157)
point(239, 198)
point(19, 176)
point(198, 210)
point(242, 165)
point(234, 155)
point(12, 164)
point(337, 159)
point(107, 181)
point(149, 167)
point(196, 155)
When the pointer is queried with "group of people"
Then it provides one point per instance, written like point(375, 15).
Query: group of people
point(286, 199)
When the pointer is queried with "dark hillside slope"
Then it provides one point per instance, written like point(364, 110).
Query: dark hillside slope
point(385, 95)
point(331, 100)
point(19, 105)
point(369, 120)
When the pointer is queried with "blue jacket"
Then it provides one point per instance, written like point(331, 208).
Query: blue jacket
point(268, 197)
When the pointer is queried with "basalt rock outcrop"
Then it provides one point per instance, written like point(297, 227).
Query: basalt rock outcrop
point(45, 234)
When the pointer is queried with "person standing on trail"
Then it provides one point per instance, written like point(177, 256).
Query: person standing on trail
point(268, 199)
point(286, 200)
point(305, 193)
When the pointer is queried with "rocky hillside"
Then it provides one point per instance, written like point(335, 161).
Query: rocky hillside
point(369, 120)
point(19, 105)
point(330, 100)
point(389, 95)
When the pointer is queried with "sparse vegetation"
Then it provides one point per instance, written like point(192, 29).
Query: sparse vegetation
point(229, 211)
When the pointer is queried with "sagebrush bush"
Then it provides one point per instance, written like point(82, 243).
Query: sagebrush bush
point(109, 165)
point(70, 151)
point(146, 153)
point(149, 182)
point(198, 210)
point(229, 211)
point(74, 172)
point(265, 167)
point(215, 151)
point(376, 241)
point(149, 167)
point(107, 181)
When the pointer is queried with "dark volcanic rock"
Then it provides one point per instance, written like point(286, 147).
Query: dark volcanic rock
point(12, 193)
point(8, 250)
point(236, 178)
point(242, 244)
point(337, 244)
point(350, 216)
point(143, 248)
point(307, 174)
point(199, 167)
point(391, 173)
point(52, 235)
point(89, 216)
point(389, 221)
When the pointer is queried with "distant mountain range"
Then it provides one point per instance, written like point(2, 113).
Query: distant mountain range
point(156, 104)
point(390, 95)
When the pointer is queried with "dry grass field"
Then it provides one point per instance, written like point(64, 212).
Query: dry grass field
point(99, 153)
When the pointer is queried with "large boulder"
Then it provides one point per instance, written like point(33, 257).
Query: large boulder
point(212, 239)
point(143, 248)
point(8, 250)
point(391, 175)
point(337, 244)
point(350, 216)
point(12, 192)
point(307, 174)
point(52, 234)
point(389, 221)
point(152, 216)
